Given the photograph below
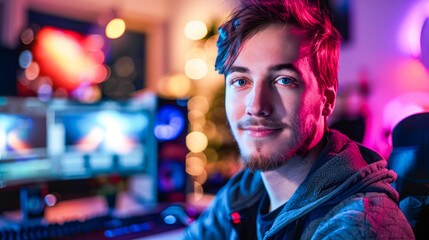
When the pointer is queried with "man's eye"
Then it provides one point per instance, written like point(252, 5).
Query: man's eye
point(239, 82)
point(285, 80)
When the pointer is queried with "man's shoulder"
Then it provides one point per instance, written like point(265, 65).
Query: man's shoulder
point(365, 215)
point(242, 190)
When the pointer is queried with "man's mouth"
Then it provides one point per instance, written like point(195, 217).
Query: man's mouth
point(260, 131)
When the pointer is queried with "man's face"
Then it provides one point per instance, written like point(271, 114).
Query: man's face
point(273, 102)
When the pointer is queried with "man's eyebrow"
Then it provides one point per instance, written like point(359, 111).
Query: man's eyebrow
point(283, 66)
point(275, 68)
point(237, 69)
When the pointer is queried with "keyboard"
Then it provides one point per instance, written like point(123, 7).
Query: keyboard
point(100, 227)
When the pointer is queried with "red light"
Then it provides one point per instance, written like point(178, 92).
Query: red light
point(68, 58)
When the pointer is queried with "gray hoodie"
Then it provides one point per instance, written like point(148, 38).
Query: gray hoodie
point(346, 195)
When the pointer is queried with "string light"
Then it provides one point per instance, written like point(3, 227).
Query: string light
point(195, 30)
point(115, 28)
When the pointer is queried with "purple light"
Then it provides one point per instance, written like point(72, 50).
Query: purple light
point(44, 92)
point(409, 34)
point(50, 200)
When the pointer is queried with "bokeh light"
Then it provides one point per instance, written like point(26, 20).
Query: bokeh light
point(196, 141)
point(170, 122)
point(115, 28)
point(50, 200)
point(175, 86)
point(44, 93)
point(195, 30)
point(199, 103)
point(179, 86)
point(196, 68)
point(25, 59)
point(32, 71)
point(195, 163)
point(87, 93)
point(94, 42)
point(198, 191)
point(195, 52)
point(196, 116)
point(27, 36)
point(124, 66)
point(97, 56)
point(69, 59)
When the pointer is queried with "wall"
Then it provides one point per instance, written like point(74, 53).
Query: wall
point(378, 30)
point(375, 46)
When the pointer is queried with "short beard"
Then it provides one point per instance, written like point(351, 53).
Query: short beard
point(277, 159)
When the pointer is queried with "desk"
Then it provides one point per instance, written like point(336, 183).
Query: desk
point(61, 219)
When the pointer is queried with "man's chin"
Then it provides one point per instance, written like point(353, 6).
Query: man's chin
point(262, 162)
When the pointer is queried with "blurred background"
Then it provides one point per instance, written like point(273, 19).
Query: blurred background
point(101, 97)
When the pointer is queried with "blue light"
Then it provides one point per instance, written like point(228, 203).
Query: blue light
point(116, 232)
point(182, 102)
point(140, 227)
point(170, 219)
point(25, 58)
point(170, 123)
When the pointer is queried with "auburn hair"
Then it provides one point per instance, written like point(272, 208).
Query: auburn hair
point(254, 15)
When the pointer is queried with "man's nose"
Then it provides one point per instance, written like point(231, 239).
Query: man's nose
point(258, 102)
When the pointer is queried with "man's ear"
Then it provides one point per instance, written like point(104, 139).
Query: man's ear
point(329, 95)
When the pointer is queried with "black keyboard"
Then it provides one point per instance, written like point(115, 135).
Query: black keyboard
point(101, 227)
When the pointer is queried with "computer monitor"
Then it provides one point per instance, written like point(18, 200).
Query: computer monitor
point(65, 141)
point(102, 138)
point(23, 142)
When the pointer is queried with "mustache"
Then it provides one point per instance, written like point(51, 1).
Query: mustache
point(263, 122)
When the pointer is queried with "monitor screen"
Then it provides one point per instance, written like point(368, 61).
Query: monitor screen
point(63, 139)
point(107, 137)
point(23, 141)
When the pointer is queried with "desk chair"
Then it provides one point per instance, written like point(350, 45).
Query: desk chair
point(410, 160)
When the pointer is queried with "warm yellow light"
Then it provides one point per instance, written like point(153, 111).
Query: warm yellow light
point(196, 142)
point(200, 155)
point(201, 178)
point(198, 191)
point(199, 103)
point(196, 68)
point(179, 86)
point(196, 52)
point(196, 116)
point(115, 28)
point(195, 30)
point(195, 163)
point(176, 86)
point(194, 170)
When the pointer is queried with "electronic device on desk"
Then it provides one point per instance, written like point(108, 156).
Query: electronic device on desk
point(23, 153)
point(61, 149)
point(171, 129)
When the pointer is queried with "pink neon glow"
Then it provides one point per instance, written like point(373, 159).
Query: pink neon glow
point(411, 75)
point(404, 106)
point(409, 34)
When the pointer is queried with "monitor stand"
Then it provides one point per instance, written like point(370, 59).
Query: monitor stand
point(31, 202)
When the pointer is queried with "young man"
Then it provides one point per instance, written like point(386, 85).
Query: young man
point(280, 61)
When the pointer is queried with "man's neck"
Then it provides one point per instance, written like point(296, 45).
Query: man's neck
point(282, 182)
